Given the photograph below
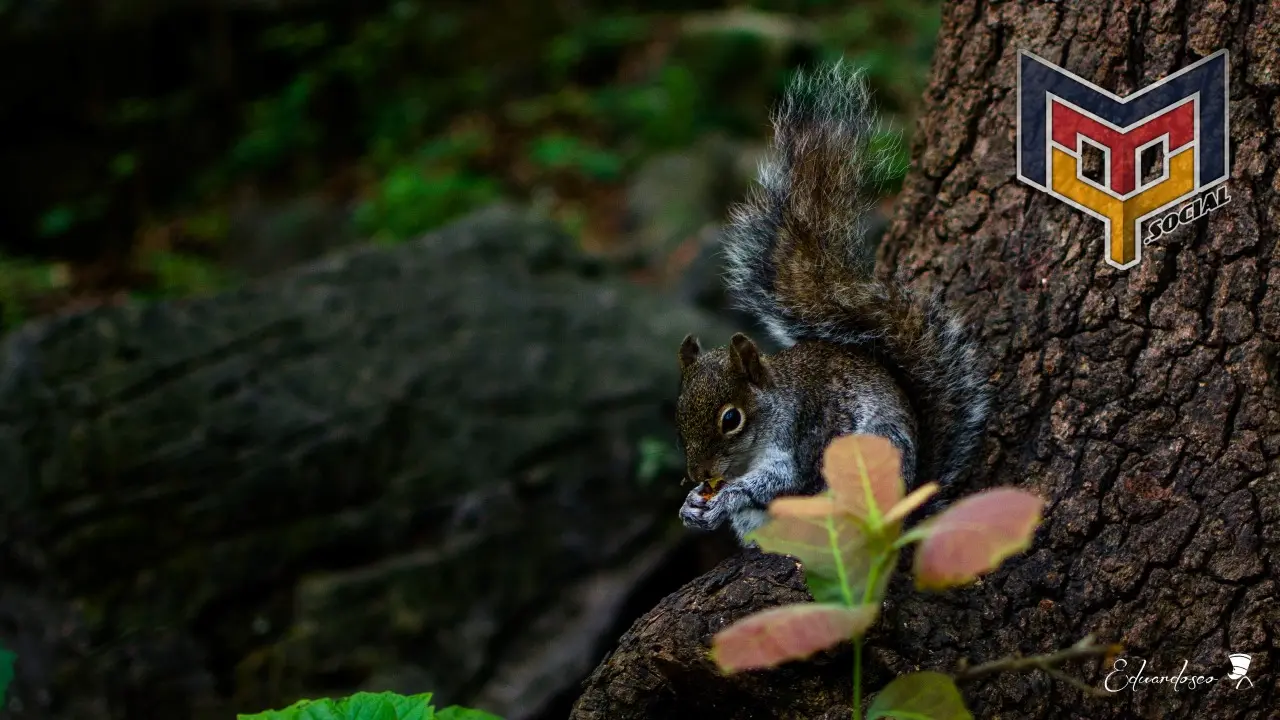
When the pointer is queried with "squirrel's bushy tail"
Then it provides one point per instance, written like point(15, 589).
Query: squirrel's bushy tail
point(800, 260)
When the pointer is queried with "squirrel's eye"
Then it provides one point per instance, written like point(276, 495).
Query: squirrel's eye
point(730, 419)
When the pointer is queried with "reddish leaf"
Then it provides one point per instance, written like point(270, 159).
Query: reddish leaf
point(790, 632)
point(974, 536)
point(821, 542)
point(819, 506)
point(864, 473)
point(837, 554)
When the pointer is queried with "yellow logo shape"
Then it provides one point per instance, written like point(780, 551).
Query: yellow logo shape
point(1121, 216)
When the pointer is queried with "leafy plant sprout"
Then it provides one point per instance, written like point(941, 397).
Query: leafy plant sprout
point(848, 541)
point(371, 706)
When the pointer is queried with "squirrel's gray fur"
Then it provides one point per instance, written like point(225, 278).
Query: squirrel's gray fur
point(861, 355)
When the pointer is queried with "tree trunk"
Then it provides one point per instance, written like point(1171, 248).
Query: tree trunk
point(1141, 403)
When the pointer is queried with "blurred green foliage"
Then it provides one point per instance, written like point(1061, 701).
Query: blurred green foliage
point(182, 274)
point(656, 457)
point(432, 108)
point(578, 112)
point(22, 283)
point(432, 182)
point(7, 659)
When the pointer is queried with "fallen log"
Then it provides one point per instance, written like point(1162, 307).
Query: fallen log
point(411, 467)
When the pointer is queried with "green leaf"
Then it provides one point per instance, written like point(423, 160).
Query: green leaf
point(974, 536)
point(454, 712)
point(791, 632)
point(322, 709)
point(361, 706)
point(920, 696)
point(7, 659)
point(825, 587)
point(412, 707)
point(367, 706)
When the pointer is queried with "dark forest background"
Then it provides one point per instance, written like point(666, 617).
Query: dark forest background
point(163, 148)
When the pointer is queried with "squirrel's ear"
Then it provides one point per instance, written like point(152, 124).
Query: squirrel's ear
point(747, 359)
point(689, 350)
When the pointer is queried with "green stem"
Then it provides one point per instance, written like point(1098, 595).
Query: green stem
point(834, 539)
point(873, 578)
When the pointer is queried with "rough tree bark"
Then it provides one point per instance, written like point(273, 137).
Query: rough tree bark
point(1142, 404)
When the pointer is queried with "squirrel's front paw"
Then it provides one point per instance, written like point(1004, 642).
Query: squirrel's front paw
point(699, 512)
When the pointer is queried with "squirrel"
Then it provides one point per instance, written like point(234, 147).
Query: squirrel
point(859, 355)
